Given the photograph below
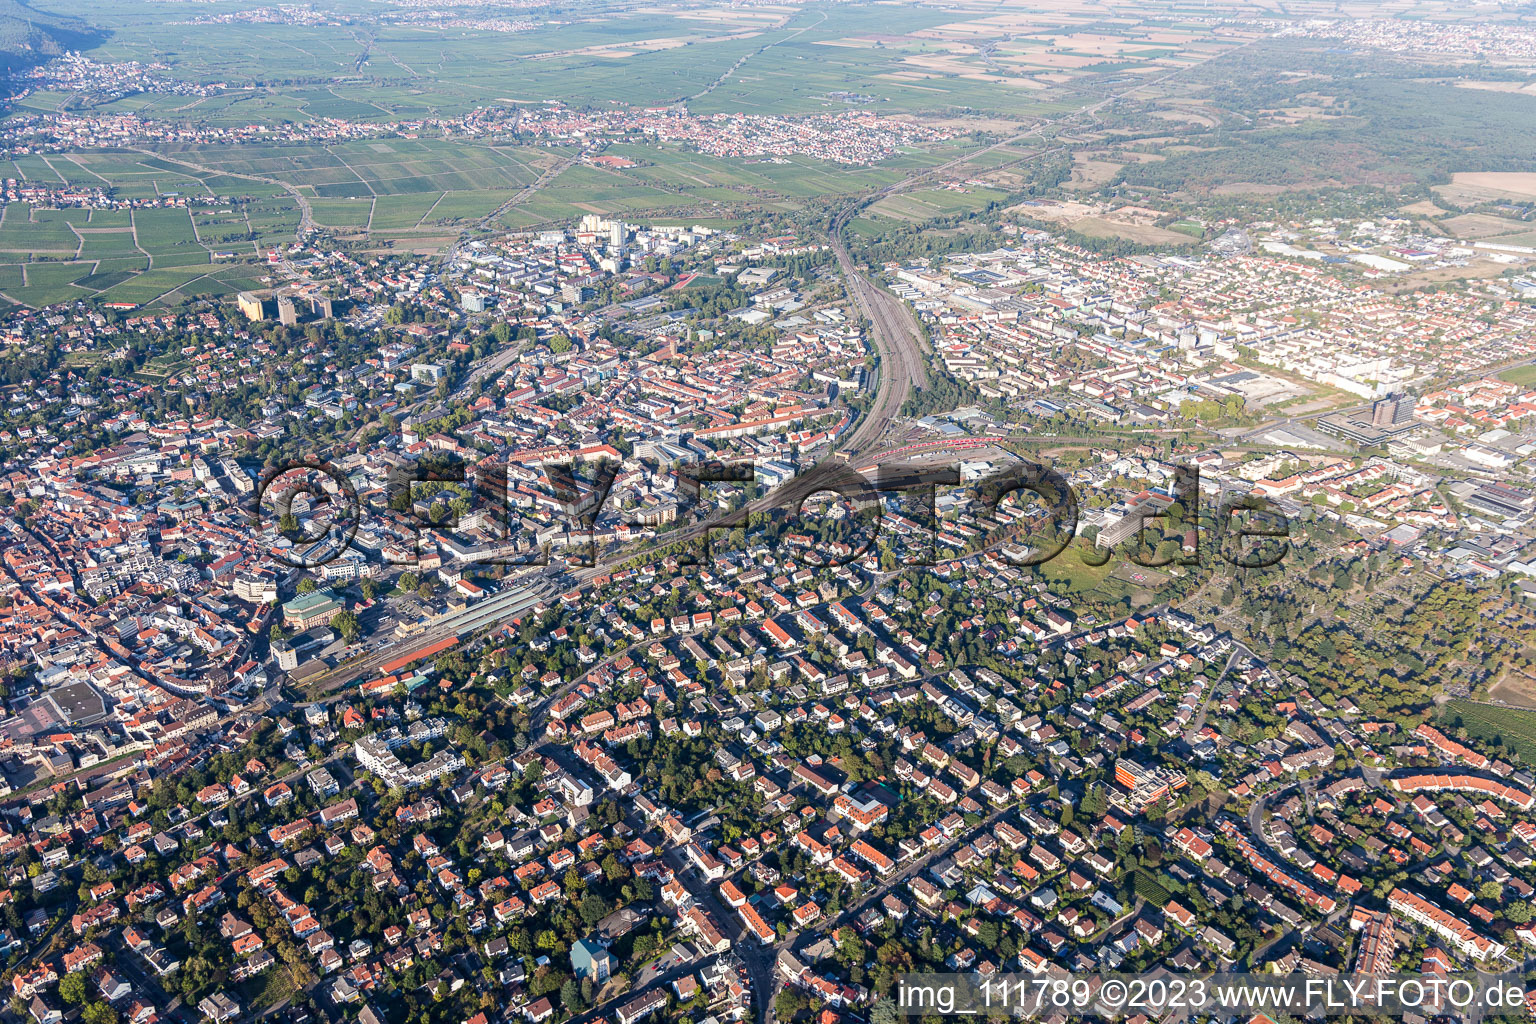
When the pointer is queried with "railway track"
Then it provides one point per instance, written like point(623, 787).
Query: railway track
point(901, 351)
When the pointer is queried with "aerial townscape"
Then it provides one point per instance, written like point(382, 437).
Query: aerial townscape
point(700, 511)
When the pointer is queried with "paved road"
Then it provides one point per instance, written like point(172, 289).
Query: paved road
point(1198, 722)
point(603, 1011)
point(745, 949)
point(898, 341)
point(524, 194)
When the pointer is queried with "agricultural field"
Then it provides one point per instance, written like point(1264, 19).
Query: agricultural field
point(379, 190)
point(977, 70)
point(986, 73)
point(1499, 726)
point(908, 58)
point(406, 72)
point(362, 169)
point(136, 255)
point(416, 194)
point(927, 204)
point(1506, 184)
point(42, 283)
point(1151, 890)
point(41, 232)
point(131, 174)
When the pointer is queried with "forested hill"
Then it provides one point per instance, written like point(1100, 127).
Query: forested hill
point(29, 36)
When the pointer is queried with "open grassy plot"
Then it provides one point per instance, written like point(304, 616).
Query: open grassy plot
point(1521, 375)
point(1519, 184)
point(866, 227)
point(1481, 225)
point(1525, 238)
point(1069, 572)
point(1146, 234)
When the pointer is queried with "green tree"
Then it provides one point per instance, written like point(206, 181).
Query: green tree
point(99, 1013)
point(72, 988)
point(346, 624)
point(592, 909)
